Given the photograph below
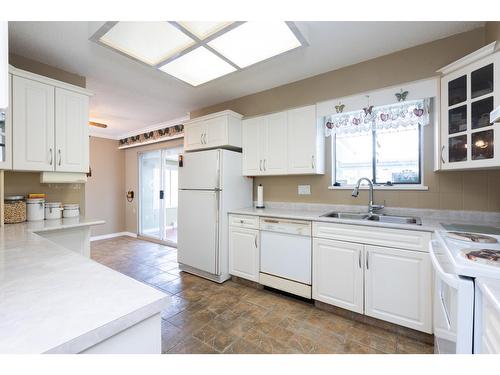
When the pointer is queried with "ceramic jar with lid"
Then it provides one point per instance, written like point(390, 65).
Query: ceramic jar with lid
point(14, 209)
point(53, 210)
point(35, 209)
point(71, 210)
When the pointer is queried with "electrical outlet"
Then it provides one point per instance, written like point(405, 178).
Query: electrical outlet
point(304, 189)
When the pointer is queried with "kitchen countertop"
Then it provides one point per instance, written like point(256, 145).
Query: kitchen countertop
point(54, 300)
point(430, 222)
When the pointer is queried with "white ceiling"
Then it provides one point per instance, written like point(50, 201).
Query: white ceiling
point(130, 96)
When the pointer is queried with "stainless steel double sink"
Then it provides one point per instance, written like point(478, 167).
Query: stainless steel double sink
point(375, 217)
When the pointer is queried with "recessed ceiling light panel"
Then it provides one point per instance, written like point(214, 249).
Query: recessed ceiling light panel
point(203, 29)
point(252, 42)
point(149, 42)
point(198, 66)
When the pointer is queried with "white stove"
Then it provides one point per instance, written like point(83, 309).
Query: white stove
point(460, 253)
point(458, 258)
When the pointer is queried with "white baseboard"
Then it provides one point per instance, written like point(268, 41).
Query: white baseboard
point(112, 235)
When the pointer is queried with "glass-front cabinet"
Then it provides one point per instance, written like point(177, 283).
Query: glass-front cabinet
point(470, 90)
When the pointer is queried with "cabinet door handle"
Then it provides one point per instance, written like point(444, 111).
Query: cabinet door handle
point(60, 158)
point(264, 165)
point(367, 262)
point(359, 259)
point(51, 156)
point(255, 241)
point(201, 138)
point(260, 165)
point(312, 162)
point(205, 138)
point(442, 159)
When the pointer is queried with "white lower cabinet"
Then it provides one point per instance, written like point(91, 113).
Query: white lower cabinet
point(338, 273)
point(244, 253)
point(385, 283)
point(398, 287)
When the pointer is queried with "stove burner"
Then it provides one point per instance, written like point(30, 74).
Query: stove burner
point(484, 256)
point(472, 237)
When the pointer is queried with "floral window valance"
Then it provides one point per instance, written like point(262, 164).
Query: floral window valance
point(392, 116)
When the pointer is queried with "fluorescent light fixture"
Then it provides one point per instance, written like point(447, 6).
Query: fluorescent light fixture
point(203, 29)
point(198, 66)
point(252, 42)
point(149, 42)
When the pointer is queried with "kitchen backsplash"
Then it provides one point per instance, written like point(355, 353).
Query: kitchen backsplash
point(23, 183)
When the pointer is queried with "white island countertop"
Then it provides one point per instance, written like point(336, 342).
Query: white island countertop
point(53, 300)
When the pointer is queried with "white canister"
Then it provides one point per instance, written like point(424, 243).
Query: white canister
point(71, 210)
point(53, 210)
point(35, 209)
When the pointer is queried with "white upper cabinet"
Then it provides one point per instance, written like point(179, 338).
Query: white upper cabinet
point(49, 124)
point(72, 131)
point(274, 155)
point(4, 65)
point(217, 130)
point(470, 90)
point(264, 145)
point(6, 134)
point(305, 142)
point(33, 125)
point(288, 142)
point(252, 145)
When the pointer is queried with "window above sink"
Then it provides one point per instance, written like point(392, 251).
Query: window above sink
point(380, 135)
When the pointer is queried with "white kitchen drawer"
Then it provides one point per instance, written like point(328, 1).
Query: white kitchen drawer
point(244, 221)
point(397, 238)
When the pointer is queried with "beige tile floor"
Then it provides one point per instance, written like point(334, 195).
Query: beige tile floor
point(205, 317)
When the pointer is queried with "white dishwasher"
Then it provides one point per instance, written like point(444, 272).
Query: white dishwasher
point(285, 255)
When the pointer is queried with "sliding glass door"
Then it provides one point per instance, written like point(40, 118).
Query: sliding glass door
point(158, 189)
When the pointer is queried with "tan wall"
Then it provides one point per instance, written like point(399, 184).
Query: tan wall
point(36, 67)
point(492, 31)
point(132, 179)
point(447, 190)
point(105, 190)
point(24, 183)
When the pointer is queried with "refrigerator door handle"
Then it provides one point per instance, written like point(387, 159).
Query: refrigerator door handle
point(217, 233)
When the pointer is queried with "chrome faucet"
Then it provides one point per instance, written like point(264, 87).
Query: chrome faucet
point(371, 207)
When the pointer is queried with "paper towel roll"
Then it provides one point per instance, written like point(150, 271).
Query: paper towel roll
point(260, 196)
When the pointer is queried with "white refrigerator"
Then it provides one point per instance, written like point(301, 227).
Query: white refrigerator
point(210, 185)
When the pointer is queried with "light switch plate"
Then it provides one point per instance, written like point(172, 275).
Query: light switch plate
point(304, 189)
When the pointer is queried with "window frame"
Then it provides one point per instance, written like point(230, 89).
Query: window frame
point(381, 186)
